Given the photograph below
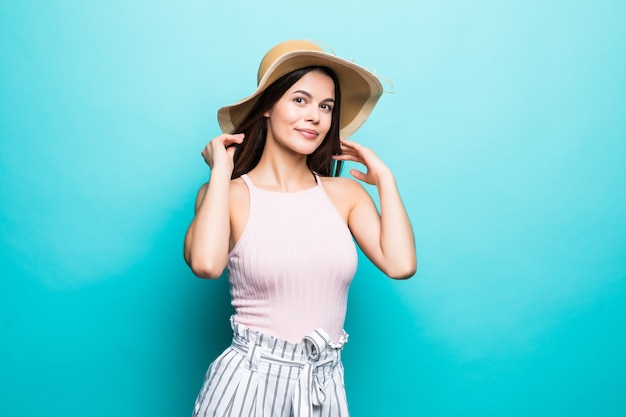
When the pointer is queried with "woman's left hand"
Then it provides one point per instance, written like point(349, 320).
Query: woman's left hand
point(376, 168)
point(386, 237)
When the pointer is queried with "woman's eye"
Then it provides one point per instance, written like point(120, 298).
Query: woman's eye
point(299, 100)
point(327, 107)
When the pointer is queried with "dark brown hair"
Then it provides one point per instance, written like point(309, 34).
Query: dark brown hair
point(254, 127)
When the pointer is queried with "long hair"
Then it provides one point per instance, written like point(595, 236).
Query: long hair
point(254, 127)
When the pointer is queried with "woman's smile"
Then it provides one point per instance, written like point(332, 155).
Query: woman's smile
point(308, 133)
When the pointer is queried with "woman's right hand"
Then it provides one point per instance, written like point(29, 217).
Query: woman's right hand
point(221, 150)
point(208, 236)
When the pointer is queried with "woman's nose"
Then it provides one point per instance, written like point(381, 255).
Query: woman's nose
point(313, 114)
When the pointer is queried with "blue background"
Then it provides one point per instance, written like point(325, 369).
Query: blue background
point(506, 130)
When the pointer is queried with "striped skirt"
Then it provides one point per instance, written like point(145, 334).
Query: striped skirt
point(262, 376)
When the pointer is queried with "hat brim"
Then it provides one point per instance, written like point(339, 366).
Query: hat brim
point(360, 90)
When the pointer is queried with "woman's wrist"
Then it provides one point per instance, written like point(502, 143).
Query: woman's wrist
point(222, 170)
point(385, 178)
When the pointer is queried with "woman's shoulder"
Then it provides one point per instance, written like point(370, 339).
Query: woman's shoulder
point(342, 185)
point(238, 189)
point(344, 192)
point(238, 183)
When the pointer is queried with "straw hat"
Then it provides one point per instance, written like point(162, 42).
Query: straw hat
point(360, 89)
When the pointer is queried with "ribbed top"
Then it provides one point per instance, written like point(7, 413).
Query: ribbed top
point(291, 268)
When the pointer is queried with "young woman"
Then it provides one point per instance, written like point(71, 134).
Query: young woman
point(276, 214)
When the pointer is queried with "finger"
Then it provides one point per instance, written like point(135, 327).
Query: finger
point(347, 157)
point(231, 152)
point(358, 174)
point(360, 153)
point(347, 148)
point(348, 144)
point(232, 139)
point(349, 151)
point(237, 136)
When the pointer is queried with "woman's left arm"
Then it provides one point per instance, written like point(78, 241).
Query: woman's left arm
point(386, 238)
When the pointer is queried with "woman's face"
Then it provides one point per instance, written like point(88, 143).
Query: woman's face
point(301, 118)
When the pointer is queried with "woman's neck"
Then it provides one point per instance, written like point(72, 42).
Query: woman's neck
point(280, 171)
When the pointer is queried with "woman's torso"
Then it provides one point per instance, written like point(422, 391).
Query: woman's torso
point(292, 258)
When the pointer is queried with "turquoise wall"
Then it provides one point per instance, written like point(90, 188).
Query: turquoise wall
point(507, 132)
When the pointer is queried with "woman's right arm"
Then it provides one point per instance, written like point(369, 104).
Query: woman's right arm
point(208, 235)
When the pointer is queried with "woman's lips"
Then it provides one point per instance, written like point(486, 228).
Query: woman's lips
point(308, 133)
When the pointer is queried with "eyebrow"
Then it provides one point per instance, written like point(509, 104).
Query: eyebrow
point(306, 93)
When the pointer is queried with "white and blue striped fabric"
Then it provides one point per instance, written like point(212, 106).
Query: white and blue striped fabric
point(261, 376)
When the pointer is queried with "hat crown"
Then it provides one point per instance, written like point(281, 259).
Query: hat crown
point(281, 49)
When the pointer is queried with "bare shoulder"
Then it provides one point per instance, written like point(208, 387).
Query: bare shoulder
point(238, 189)
point(239, 199)
point(345, 188)
point(345, 193)
point(238, 192)
point(200, 195)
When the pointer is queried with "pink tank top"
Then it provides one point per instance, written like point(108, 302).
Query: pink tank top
point(291, 268)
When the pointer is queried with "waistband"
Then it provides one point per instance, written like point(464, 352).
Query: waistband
point(311, 347)
point(311, 354)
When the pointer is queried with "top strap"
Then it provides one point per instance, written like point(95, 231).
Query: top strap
point(318, 180)
point(248, 182)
